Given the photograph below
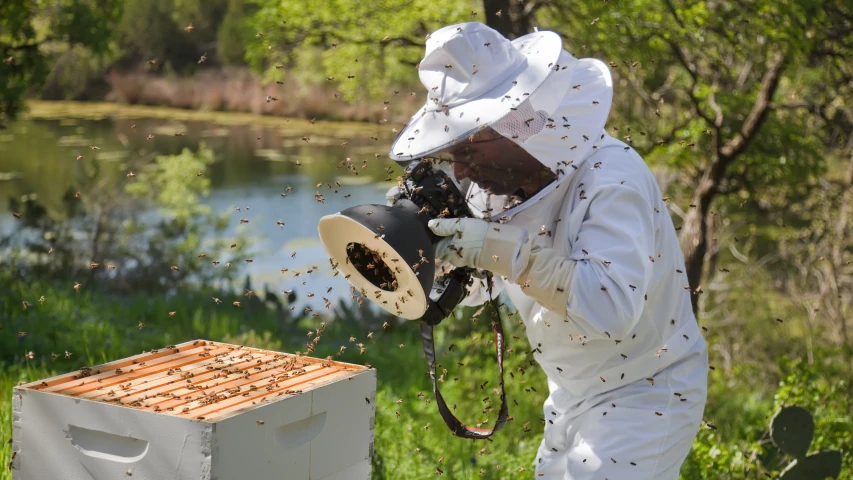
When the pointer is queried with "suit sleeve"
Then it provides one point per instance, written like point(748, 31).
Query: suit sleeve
point(601, 286)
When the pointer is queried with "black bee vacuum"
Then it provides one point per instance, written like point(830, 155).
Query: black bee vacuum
point(388, 253)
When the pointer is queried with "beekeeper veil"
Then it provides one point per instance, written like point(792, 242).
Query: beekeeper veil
point(530, 90)
point(563, 140)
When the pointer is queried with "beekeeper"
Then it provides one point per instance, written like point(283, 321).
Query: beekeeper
point(573, 226)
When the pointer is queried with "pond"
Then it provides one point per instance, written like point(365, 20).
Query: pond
point(257, 159)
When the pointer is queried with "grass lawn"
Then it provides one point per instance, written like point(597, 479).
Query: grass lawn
point(412, 441)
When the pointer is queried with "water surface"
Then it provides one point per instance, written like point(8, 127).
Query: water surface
point(254, 165)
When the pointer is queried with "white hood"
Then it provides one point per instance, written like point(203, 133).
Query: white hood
point(567, 138)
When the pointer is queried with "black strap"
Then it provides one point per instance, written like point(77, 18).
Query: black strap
point(457, 427)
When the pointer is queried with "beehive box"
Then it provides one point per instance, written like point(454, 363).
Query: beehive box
point(198, 410)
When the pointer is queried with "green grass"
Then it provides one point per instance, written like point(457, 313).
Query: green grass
point(411, 441)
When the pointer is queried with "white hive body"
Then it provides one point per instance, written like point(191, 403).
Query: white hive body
point(200, 410)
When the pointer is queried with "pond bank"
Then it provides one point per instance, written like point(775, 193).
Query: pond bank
point(238, 90)
point(57, 110)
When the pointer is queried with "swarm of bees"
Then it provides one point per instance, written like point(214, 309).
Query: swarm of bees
point(376, 266)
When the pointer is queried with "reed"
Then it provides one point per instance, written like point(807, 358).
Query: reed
point(238, 90)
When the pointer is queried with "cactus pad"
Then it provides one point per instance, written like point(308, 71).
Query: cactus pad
point(792, 429)
point(819, 466)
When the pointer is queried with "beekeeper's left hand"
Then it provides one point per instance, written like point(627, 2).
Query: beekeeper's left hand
point(470, 242)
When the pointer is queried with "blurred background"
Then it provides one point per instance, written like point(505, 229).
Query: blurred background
point(159, 155)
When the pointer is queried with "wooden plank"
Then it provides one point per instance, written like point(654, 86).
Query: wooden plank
point(248, 376)
point(167, 380)
point(291, 387)
point(227, 390)
point(111, 366)
point(149, 367)
point(199, 382)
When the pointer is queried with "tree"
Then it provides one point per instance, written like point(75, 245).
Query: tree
point(184, 30)
point(512, 18)
point(25, 66)
point(363, 47)
point(232, 34)
point(148, 32)
point(724, 92)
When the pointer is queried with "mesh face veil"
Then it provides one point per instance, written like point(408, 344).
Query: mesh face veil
point(560, 141)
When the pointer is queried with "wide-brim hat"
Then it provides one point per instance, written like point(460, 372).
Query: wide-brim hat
point(476, 77)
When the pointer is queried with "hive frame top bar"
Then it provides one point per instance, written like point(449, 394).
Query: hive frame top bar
point(198, 379)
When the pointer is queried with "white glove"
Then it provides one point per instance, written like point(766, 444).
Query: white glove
point(392, 195)
point(499, 248)
point(543, 273)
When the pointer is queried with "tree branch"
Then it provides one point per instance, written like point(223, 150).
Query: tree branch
point(759, 111)
point(668, 138)
point(674, 13)
point(685, 63)
point(793, 106)
point(718, 120)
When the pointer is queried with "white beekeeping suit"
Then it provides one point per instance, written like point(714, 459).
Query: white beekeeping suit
point(625, 360)
point(594, 267)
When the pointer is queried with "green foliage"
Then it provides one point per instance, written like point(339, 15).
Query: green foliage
point(24, 30)
point(822, 386)
point(341, 39)
point(175, 185)
point(177, 182)
point(233, 33)
point(102, 229)
point(692, 67)
point(85, 22)
point(73, 72)
point(410, 435)
point(148, 31)
point(26, 67)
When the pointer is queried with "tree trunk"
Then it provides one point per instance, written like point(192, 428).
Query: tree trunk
point(845, 211)
point(694, 235)
point(515, 19)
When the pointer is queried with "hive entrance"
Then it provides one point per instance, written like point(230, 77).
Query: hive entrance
point(370, 265)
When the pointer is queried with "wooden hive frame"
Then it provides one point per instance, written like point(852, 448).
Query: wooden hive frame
point(199, 379)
